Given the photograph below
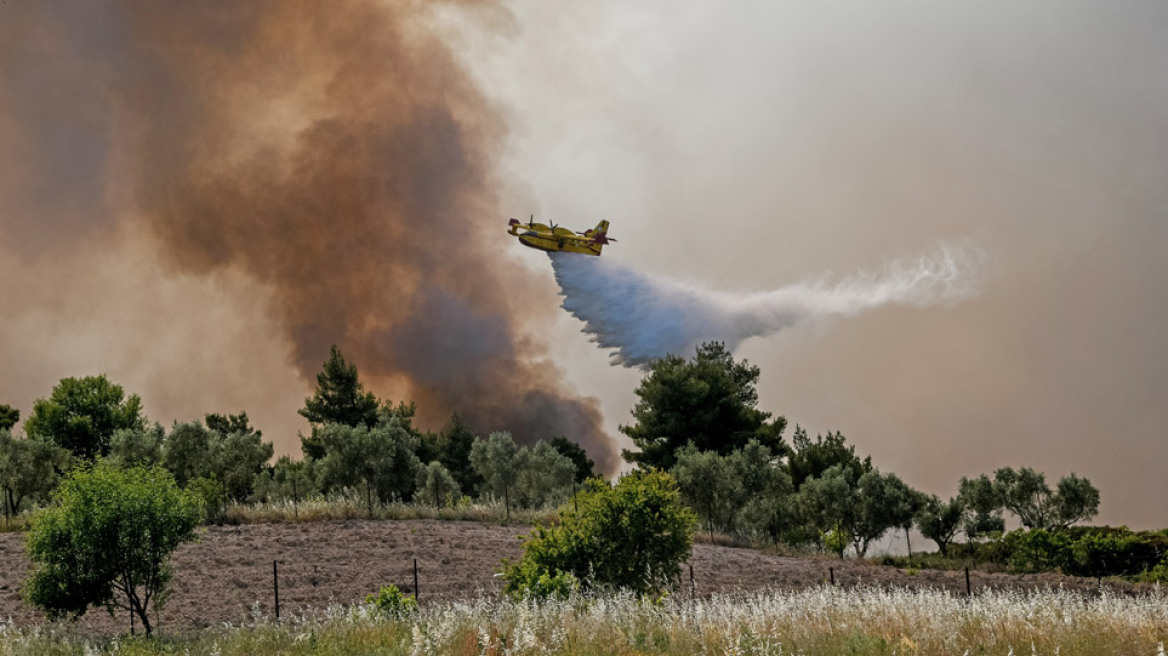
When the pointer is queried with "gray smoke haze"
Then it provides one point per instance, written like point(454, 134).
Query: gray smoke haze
point(642, 317)
point(746, 145)
point(329, 165)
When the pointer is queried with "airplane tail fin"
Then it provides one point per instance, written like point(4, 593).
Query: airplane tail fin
point(599, 234)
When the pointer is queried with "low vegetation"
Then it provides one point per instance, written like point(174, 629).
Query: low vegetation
point(818, 621)
point(594, 575)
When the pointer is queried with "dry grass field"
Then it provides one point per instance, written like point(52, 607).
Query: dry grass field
point(227, 576)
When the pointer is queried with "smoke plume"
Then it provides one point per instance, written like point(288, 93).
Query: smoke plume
point(642, 317)
point(336, 153)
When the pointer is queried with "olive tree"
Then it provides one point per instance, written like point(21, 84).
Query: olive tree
point(767, 506)
point(939, 520)
point(708, 485)
point(286, 479)
point(28, 470)
point(1026, 494)
point(881, 502)
point(437, 486)
point(544, 475)
point(107, 541)
point(826, 503)
point(496, 460)
point(188, 452)
point(137, 446)
point(380, 460)
point(983, 507)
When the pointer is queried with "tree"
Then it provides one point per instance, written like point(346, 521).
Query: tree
point(340, 398)
point(826, 502)
point(224, 464)
point(634, 535)
point(107, 541)
point(939, 521)
point(287, 479)
point(8, 416)
point(188, 452)
point(238, 457)
point(983, 507)
point(880, 502)
point(455, 445)
point(228, 424)
point(130, 447)
point(1075, 500)
point(708, 485)
point(544, 476)
point(379, 459)
point(708, 401)
point(437, 486)
point(495, 459)
point(28, 470)
point(577, 455)
point(811, 459)
point(82, 414)
point(767, 506)
point(1026, 494)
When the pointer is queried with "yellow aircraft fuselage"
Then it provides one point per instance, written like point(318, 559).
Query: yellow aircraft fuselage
point(552, 238)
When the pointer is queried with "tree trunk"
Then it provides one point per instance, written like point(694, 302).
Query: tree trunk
point(710, 520)
point(507, 501)
point(140, 611)
point(908, 539)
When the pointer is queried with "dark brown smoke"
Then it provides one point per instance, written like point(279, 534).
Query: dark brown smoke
point(335, 152)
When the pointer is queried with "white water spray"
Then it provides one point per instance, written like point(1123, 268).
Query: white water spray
point(641, 316)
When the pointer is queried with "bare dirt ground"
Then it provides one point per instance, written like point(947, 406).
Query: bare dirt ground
point(228, 574)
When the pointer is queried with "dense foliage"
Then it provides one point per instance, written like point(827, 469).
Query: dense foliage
point(697, 416)
point(9, 416)
point(633, 535)
point(107, 540)
point(82, 414)
point(28, 470)
point(708, 402)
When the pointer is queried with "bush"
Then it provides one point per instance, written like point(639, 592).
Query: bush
point(392, 602)
point(1039, 550)
point(1158, 574)
point(633, 535)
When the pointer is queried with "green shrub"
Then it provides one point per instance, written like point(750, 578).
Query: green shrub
point(1157, 574)
point(633, 535)
point(837, 540)
point(1109, 554)
point(392, 602)
point(1039, 550)
point(210, 493)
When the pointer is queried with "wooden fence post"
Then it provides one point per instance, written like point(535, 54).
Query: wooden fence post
point(276, 588)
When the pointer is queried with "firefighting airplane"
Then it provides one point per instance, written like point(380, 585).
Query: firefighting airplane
point(554, 238)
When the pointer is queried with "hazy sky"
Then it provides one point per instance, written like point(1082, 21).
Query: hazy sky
point(743, 145)
point(753, 144)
